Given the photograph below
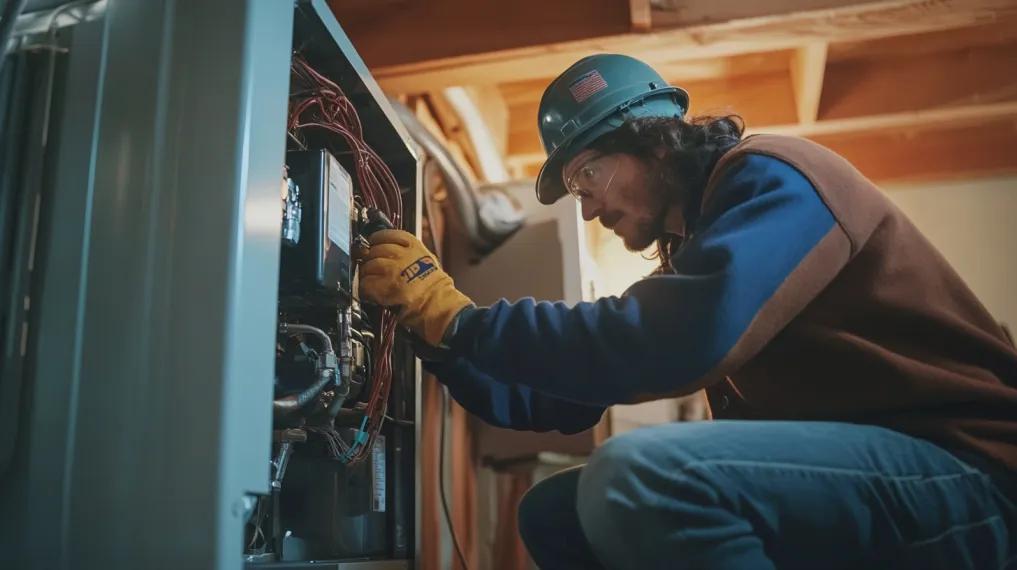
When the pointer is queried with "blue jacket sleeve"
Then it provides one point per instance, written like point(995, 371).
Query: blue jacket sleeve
point(511, 406)
point(673, 334)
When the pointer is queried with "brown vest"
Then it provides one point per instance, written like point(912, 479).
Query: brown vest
point(895, 339)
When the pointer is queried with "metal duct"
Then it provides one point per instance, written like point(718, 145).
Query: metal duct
point(488, 215)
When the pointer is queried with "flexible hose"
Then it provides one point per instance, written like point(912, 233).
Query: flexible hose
point(292, 329)
point(485, 219)
point(293, 402)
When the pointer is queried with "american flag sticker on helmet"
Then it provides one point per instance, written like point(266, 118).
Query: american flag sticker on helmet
point(587, 85)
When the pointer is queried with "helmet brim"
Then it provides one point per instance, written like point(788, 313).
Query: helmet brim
point(550, 186)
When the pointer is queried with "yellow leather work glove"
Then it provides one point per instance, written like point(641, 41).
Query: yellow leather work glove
point(400, 273)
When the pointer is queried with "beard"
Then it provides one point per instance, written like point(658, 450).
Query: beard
point(651, 228)
point(643, 236)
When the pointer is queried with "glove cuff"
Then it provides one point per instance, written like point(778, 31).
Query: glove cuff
point(446, 305)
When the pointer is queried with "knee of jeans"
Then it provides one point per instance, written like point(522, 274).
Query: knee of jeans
point(634, 459)
point(604, 497)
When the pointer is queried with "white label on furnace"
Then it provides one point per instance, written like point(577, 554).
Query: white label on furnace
point(340, 196)
point(378, 475)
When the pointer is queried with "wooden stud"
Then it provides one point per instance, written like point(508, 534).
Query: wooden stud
point(639, 15)
point(808, 67)
point(763, 99)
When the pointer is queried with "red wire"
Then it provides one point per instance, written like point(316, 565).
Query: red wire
point(327, 107)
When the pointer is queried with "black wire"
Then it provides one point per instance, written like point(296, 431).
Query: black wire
point(441, 477)
point(12, 9)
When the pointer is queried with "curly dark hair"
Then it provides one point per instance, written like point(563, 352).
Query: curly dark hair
point(691, 150)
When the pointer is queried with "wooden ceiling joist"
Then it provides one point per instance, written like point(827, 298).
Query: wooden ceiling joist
point(895, 114)
point(903, 82)
point(930, 152)
point(1001, 30)
point(683, 13)
point(967, 115)
point(908, 90)
point(400, 32)
point(778, 30)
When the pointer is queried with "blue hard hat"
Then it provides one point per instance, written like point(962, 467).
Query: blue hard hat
point(594, 96)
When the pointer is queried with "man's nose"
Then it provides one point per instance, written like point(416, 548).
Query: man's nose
point(591, 209)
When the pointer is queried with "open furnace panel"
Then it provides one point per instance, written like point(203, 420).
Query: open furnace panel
point(343, 469)
point(188, 376)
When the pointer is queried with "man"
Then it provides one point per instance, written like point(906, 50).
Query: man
point(866, 402)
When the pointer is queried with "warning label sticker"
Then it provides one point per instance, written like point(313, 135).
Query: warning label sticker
point(378, 475)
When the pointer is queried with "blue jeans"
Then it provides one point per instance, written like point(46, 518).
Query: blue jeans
point(762, 495)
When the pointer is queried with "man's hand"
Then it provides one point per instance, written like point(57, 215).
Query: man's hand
point(400, 273)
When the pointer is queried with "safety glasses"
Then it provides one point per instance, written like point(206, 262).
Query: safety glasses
point(593, 177)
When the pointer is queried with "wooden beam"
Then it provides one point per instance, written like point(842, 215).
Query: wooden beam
point(930, 153)
point(859, 81)
point(682, 13)
point(395, 32)
point(763, 99)
point(1001, 31)
point(903, 82)
point(524, 92)
point(639, 15)
point(969, 115)
point(847, 23)
point(895, 91)
point(808, 67)
point(522, 135)
point(479, 130)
